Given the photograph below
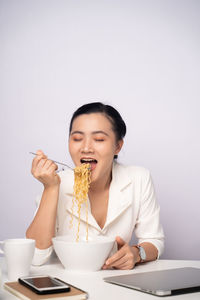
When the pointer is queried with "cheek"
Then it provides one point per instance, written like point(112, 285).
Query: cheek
point(72, 148)
point(107, 149)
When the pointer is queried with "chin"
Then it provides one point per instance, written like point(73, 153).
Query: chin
point(94, 177)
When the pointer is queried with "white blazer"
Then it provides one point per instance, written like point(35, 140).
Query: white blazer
point(132, 207)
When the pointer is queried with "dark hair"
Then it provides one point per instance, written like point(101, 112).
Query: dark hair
point(118, 124)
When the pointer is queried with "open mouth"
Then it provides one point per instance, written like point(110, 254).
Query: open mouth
point(90, 161)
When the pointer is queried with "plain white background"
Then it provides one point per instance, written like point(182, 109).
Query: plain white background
point(142, 57)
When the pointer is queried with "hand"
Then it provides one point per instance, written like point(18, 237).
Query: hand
point(123, 259)
point(44, 169)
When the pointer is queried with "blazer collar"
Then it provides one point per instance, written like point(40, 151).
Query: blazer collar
point(120, 177)
point(119, 194)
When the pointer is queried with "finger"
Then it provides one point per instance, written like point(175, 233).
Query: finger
point(40, 152)
point(51, 169)
point(119, 254)
point(120, 242)
point(119, 262)
point(52, 165)
point(104, 267)
point(38, 168)
point(47, 164)
point(41, 164)
point(125, 263)
point(125, 266)
point(40, 155)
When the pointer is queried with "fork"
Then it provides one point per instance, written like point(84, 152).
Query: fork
point(57, 162)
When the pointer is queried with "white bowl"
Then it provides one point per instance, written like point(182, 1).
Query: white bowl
point(83, 255)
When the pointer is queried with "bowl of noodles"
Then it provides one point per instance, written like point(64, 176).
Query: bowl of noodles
point(84, 255)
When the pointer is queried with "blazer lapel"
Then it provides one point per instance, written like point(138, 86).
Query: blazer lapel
point(119, 194)
point(72, 207)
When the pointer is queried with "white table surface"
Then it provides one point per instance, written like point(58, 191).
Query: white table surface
point(93, 283)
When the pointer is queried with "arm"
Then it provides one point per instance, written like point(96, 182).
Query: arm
point(148, 231)
point(42, 228)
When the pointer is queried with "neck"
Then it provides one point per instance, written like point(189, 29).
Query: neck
point(101, 185)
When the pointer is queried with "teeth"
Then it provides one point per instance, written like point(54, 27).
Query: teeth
point(88, 160)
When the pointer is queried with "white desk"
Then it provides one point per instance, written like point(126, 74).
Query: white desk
point(99, 290)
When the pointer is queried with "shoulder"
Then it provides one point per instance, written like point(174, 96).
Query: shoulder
point(133, 172)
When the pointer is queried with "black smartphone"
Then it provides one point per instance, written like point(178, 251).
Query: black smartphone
point(44, 284)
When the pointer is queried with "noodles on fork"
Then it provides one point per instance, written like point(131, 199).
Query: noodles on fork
point(82, 179)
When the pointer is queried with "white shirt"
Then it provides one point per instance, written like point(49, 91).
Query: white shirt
point(132, 207)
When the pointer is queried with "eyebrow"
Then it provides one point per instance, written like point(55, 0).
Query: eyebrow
point(76, 132)
point(93, 132)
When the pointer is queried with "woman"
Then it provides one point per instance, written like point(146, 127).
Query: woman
point(121, 198)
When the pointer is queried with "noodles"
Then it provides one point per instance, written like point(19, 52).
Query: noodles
point(82, 179)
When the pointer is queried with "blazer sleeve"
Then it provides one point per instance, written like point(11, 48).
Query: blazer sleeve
point(41, 256)
point(148, 227)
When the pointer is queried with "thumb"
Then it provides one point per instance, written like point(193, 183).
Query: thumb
point(120, 242)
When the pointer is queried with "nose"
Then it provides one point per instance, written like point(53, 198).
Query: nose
point(87, 147)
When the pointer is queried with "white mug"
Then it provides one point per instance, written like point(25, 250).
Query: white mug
point(0, 280)
point(18, 254)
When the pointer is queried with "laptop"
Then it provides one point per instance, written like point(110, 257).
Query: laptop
point(161, 283)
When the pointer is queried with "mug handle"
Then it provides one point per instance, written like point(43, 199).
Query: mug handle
point(1, 251)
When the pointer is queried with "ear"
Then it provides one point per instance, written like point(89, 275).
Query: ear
point(119, 146)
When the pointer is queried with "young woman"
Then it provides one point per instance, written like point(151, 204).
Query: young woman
point(121, 198)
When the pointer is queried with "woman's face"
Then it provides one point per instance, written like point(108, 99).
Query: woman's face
point(92, 140)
